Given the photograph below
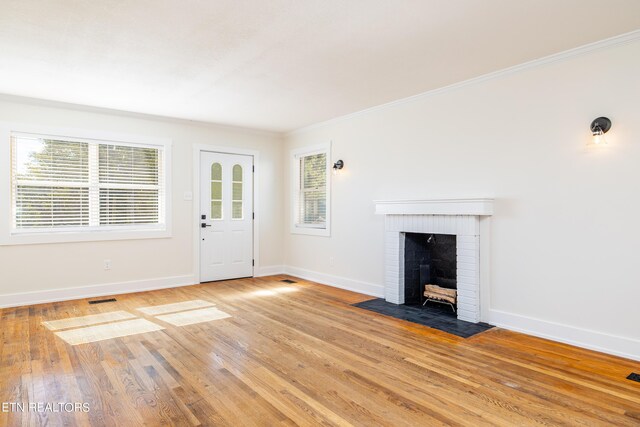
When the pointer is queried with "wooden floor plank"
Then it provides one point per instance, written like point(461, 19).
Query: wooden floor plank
point(298, 354)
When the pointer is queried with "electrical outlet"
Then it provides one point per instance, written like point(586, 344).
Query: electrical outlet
point(107, 264)
point(331, 259)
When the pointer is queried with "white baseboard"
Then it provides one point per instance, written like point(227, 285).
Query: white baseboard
point(269, 270)
point(592, 340)
point(65, 294)
point(336, 281)
point(585, 338)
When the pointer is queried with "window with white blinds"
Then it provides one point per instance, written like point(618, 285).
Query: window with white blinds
point(311, 192)
point(66, 184)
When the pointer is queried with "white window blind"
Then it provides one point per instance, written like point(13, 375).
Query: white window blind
point(60, 184)
point(312, 195)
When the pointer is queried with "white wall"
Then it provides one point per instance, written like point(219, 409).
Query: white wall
point(30, 268)
point(565, 234)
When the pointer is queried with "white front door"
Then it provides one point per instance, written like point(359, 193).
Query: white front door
point(226, 216)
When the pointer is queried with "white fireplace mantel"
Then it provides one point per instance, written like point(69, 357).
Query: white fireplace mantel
point(479, 207)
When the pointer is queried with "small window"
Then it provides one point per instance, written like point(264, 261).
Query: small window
point(236, 196)
point(311, 192)
point(216, 191)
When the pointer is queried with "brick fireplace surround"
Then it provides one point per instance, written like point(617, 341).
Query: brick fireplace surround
point(460, 217)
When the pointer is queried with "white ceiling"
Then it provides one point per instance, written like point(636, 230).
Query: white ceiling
point(278, 64)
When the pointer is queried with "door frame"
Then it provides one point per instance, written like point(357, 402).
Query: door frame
point(197, 150)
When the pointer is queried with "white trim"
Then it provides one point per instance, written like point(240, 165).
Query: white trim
point(585, 338)
point(589, 339)
point(88, 235)
point(39, 102)
point(90, 291)
point(435, 207)
point(556, 57)
point(295, 174)
point(270, 270)
point(85, 134)
point(197, 149)
point(366, 288)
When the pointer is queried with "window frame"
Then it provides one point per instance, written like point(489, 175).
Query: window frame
point(309, 229)
point(8, 236)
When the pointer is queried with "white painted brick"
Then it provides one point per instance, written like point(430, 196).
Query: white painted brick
point(468, 304)
point(470, 313)
point(467, 270)
point(451, 227)
point(471, 253)
point(466, 246)
point(467, 230)
point(443, 223)
point(467, 292)
point(467, 260)
point(463, 274)
point(468, 317)
point(429, 224)
point(468, 283)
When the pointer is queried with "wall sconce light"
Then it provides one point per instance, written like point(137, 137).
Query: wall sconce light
point(337, 166)
point(599, 127)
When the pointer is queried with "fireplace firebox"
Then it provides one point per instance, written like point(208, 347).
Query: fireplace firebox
point(428, 259)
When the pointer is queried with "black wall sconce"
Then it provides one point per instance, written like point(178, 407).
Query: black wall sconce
point(599, 127)
point(337, 166)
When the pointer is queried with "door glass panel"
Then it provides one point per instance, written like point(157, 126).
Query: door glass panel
point(216, 172)
point(237, 173)
point(236, 193)
point(237, 210)
point(216, 191)
point(216, 209)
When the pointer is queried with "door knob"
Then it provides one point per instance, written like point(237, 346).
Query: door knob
point(203, 225)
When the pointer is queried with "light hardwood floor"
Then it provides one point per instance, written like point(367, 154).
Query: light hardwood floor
point(300, 354)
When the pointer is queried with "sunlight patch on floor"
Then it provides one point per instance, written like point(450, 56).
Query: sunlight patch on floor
point(92, 319)
point(275, 291)
point(175, 307)
point(108, 331)
point(193, 316)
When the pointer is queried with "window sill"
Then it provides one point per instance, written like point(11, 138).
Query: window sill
point(82, 236)
point(310, 231)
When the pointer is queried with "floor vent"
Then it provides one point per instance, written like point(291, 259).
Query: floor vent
point(288, 281)
point(634, 377)
point(100, 301)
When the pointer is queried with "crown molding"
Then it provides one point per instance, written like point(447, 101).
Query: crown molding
point(39, 102)
point(556, 57)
